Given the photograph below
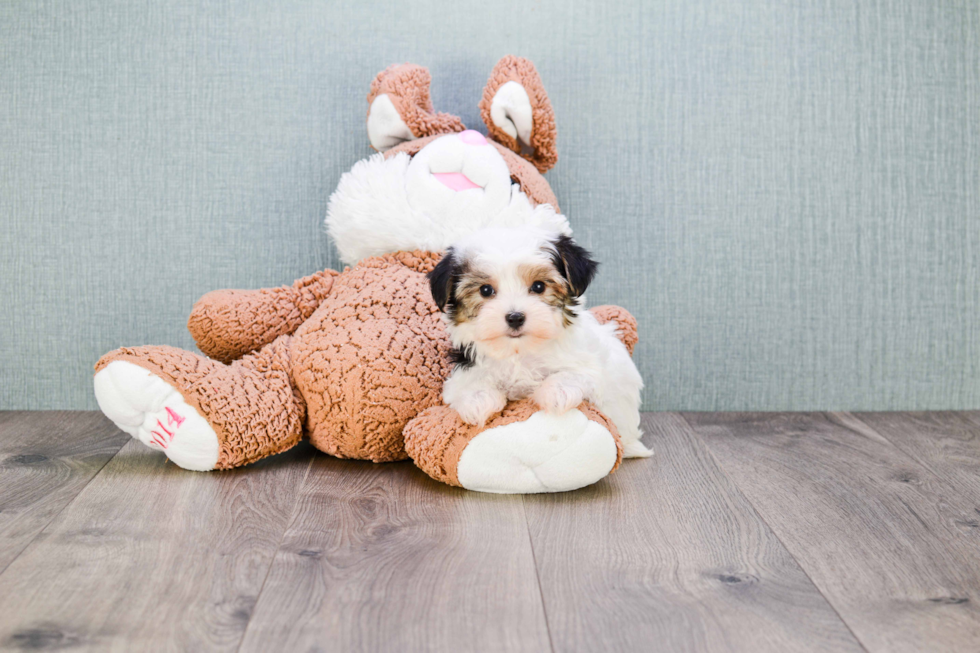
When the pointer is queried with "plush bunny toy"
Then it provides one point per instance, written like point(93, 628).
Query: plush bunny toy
point(355, 360)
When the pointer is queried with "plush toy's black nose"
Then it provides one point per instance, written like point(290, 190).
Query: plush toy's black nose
point(515, 320)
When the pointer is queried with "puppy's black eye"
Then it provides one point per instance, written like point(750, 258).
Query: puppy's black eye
point(486, 290)
point(537, 287)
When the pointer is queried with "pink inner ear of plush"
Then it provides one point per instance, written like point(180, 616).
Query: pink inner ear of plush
point(455, 180)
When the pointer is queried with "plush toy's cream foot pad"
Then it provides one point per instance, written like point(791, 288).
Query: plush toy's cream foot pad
point(545, 453)
point(152, 411)
point(520, 451)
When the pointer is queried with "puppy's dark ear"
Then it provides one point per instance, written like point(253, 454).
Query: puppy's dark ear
point(574, 263)
point(442, 280)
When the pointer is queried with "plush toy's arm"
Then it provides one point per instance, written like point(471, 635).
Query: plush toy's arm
point(625, 323)
point(227, 324)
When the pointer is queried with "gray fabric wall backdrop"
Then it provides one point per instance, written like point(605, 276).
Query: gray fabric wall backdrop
point(786, 194)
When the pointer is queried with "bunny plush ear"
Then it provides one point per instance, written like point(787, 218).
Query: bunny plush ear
point(518, 114)
point(400, 109)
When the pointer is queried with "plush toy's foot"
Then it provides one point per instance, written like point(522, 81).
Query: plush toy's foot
point(520, 451)
point(203, 414)
point(545, 453)
point(152, 411)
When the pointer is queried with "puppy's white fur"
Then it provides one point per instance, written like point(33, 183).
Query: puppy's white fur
point(560, 356)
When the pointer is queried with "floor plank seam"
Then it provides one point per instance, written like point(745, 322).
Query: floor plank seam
point(897, 447)
point(275, 554)
point(881, 507)
point(537, 575)
point(63, 509)
point(772, 530)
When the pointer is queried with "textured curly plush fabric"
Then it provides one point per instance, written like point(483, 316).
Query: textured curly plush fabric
point(625, 322)
point(372, 356)
point(529, 179)
point(435, 440)
point(544, 133)
point(522, 173)
point(407, 86)
point(251, 404)
point(227, 324)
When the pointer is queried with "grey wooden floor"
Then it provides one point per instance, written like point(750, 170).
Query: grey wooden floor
point(746, 532)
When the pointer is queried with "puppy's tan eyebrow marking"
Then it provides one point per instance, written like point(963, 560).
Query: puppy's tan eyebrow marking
point(556, 294)
point(531, 273)
point(468, 299)
point(471, 282)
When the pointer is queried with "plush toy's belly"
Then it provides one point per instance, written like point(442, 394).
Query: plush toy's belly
point(373, 356)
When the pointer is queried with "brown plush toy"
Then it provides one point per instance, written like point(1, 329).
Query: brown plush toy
point(355, 360)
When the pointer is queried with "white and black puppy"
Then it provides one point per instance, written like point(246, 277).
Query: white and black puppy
point(512, 300)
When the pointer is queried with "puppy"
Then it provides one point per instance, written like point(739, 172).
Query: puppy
point(512, 301)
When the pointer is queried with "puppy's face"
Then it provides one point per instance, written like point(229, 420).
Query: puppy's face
point(507, 291)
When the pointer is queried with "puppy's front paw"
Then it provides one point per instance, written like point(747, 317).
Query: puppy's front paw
point(477, 407)
point(556, 397)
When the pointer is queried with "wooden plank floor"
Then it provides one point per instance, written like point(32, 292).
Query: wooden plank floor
point(746, 532)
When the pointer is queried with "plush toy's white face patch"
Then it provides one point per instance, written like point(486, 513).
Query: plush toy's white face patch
point(455, 185)
point(458, 174)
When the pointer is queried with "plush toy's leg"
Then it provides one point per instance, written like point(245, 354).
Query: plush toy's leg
point(227, 324)
point(520, 451)
point(201, 413)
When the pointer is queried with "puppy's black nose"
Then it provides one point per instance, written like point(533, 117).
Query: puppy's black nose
point(515, 320)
